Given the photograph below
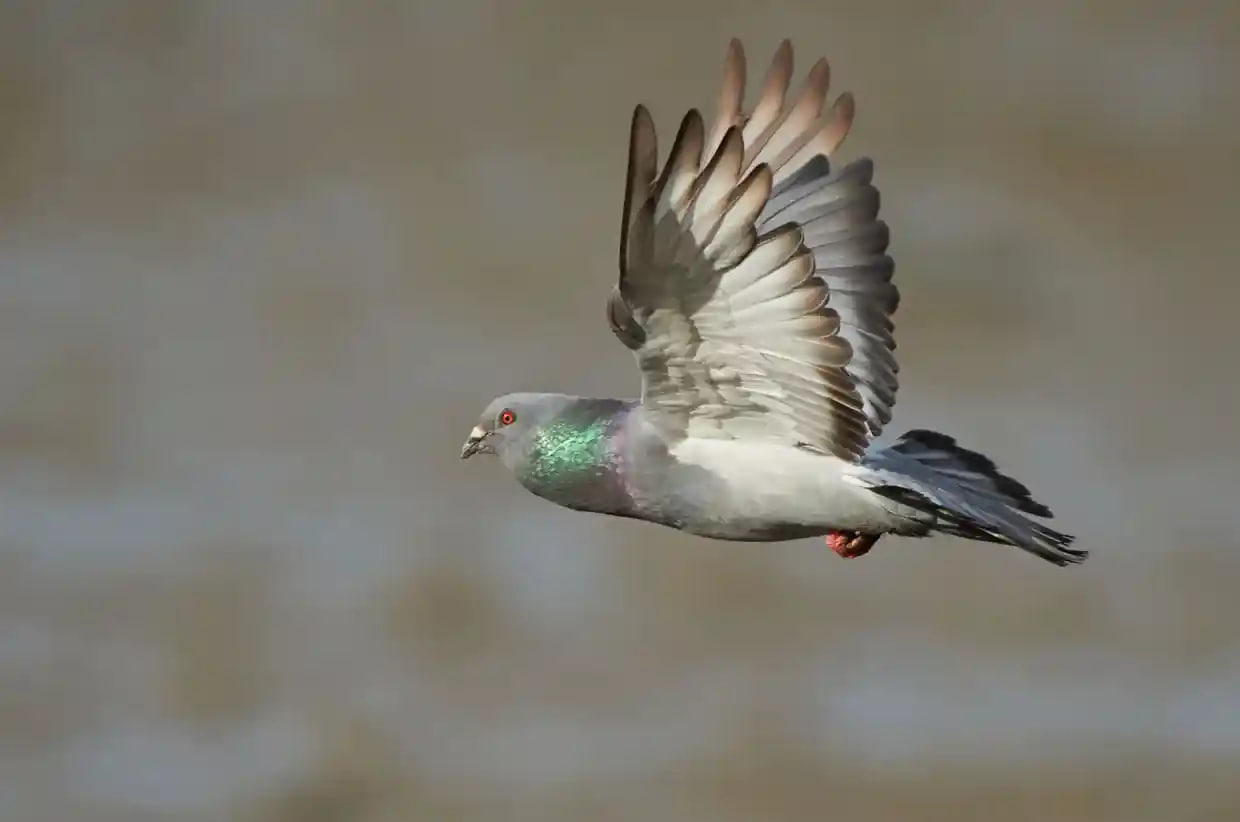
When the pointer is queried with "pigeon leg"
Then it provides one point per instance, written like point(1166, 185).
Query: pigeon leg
point(851, 544)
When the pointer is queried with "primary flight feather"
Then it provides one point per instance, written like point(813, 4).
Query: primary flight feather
point(755, 293)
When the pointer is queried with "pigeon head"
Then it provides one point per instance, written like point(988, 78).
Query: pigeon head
point(510, 421)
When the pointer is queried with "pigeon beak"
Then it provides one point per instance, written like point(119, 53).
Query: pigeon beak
point(474, 443)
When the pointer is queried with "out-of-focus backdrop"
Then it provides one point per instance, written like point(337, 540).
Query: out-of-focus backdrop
point(262, 264)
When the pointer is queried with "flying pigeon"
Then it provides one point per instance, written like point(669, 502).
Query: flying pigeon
point(756, 295)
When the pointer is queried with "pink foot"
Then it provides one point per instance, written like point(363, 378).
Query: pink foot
point(851, 544)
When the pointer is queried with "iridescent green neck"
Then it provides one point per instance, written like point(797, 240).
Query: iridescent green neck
point(573, 459)
point(565, 448)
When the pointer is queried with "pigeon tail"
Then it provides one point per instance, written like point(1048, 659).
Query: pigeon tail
point(967, 494)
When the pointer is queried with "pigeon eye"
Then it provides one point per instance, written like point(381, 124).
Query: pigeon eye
point(506, 417)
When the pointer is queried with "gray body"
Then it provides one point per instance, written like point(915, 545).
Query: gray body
point(764, 492)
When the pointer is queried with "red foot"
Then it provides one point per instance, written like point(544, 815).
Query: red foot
point(851, 544)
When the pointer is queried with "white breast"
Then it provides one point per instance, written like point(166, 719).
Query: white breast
point(767, 482)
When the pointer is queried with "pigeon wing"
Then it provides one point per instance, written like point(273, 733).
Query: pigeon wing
point(754, 289)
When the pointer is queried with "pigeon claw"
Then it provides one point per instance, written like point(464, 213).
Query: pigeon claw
point(851, 544)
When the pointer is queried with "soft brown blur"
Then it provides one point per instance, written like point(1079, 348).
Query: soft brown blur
point(262, 264)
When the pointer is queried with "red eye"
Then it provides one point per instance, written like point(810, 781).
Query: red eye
point(506, 417)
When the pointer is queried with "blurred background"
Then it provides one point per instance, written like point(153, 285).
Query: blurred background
point(262, 264)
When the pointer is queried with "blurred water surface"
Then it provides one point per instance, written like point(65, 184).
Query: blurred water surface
point(262, 264)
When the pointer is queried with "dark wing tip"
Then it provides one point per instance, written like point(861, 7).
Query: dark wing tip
point(640, 172)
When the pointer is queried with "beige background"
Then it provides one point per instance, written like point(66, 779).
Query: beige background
point(263, 263)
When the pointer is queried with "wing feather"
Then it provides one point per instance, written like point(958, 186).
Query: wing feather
point(800, 124)
point(728, 111)
point(770, 103)
point(755, 290)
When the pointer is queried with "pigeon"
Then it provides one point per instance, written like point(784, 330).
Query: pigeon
point(756, 294)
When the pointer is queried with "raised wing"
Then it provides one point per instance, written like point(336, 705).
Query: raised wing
point(754, 287)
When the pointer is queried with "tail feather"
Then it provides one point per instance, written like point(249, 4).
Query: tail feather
point(969, 468)
point(967, 495)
